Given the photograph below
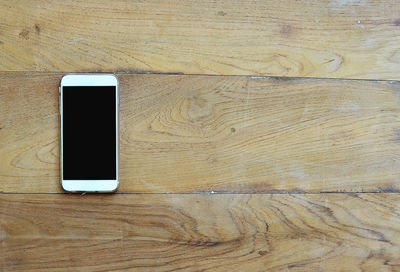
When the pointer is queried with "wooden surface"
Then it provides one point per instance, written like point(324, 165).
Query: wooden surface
point(328, 38)
point(226, 134)
point(332, 232)
point(222, 168)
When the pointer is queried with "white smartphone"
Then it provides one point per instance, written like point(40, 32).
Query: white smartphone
point(89, 132)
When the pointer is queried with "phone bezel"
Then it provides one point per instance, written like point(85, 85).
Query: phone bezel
point(90, 80)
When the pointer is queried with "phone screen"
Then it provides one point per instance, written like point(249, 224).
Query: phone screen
point(89, 133)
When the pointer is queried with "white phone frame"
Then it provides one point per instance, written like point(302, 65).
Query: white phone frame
point(94, 186)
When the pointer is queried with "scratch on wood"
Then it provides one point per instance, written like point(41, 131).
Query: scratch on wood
point(37, 29)
point(343, 3)
point(294, 191)
point(329, 61)
point(396, 136)
point(24, 34)
point(283, 79)
point(388, 189)
point(207, 243)
point(396, 22)
point(286, 30)
point(262, 252)
point(138, 71)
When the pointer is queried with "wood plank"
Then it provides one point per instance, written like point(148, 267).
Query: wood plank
point(327, 38)
point(321, 232)
point(210, 133)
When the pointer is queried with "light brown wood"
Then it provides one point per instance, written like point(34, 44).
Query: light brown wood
point(329, 38)
point(224, 134)
point(322, 232)
point(218, 172)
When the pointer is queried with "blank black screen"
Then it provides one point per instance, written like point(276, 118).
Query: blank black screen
point(89, 133)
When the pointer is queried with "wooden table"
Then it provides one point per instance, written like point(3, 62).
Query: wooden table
point(255, 136)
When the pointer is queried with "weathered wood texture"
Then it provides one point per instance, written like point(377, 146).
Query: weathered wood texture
point(328, 38)
point(224, 134)
point(321, 232)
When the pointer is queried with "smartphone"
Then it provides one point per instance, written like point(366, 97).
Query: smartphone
point(89, 132)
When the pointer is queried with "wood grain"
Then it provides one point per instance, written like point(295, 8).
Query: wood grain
point(322, 232)
point(187, 134)
point(328, 38)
